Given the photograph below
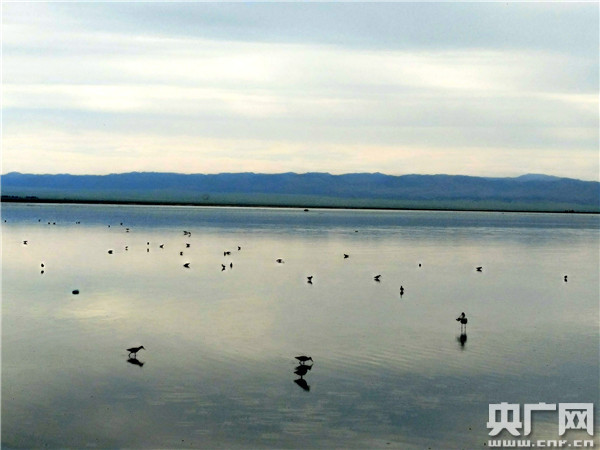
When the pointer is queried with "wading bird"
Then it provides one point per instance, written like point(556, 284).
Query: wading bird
point(134, 350)
point(303, 359)
point(463, 321)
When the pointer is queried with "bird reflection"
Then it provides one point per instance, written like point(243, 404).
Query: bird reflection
point(462, 339)
point(135, 362)
point(302, 383)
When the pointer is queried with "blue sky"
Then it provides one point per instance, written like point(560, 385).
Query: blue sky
point(490, 89)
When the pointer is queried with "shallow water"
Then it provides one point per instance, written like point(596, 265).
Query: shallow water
point(218, 365)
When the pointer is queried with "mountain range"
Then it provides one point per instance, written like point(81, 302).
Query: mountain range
point(531, 192)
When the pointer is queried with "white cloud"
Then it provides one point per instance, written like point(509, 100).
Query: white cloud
point(187, 90)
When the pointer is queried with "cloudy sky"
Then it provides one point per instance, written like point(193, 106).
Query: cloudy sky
point(489, 89)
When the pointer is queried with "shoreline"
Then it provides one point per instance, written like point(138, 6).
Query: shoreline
point(28, 199)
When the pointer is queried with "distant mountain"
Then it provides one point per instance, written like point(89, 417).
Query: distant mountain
point(537, 177)
point(527, 192)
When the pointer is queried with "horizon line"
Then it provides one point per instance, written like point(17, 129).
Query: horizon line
point(298, 173)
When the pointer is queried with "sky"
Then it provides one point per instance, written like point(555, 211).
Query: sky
point(483, 89)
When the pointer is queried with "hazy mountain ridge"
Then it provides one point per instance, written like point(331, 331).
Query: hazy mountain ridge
point(348, 188)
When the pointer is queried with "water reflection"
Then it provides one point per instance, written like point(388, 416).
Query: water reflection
point(135, 361)
point(462, 339)
point(374, 352)
point(302, 383)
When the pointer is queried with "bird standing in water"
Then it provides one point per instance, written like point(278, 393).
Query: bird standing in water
point(134, 350)
point(303, 359)
point(463, 321)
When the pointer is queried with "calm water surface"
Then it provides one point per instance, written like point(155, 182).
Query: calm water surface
point(218, 369)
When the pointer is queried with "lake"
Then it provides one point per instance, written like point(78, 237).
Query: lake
point(218, 365)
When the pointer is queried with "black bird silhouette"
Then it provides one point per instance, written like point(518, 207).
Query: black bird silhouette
point(186, 265)
point(303, 359)
point(302, 369)
point(231, 265)
point(565, 278)
point(24, 242)
point(187, 245)
point(479, 268)
point(134, 350)
point(401, 291)
point(239, 248)
point(279, 260)
point(222, 267)
point(161, 246)
point(226, 253)
point(376, 277)
point(180, 253)
point(463, 321)
point(110, 252)
point(346, 256)
point(42, 265)
point(75, 292)
point(309, 279)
